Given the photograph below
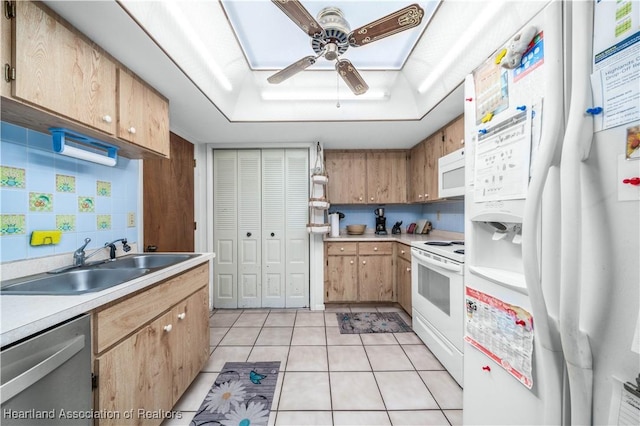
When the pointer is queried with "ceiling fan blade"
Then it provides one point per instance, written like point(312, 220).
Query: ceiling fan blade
point(292, 70)
point(298, 14)
point(396, 22)
point(351, 76)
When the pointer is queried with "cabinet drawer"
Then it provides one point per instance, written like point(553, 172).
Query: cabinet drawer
point(337, 249)
point(118, 320)
point(375, 248)
point(404, 251)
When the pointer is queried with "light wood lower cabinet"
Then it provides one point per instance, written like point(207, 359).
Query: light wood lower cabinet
point(359, 272)
point(403, 276)
point(149, 365)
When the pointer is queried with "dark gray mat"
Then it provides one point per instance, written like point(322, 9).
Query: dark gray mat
point(241, 394)
point(371, 322)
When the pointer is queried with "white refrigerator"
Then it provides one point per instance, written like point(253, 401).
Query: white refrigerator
point(552, 222)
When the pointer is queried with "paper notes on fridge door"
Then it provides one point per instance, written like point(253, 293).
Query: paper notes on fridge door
point(625, 405)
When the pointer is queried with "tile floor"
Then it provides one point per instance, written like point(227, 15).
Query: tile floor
point(328, 378)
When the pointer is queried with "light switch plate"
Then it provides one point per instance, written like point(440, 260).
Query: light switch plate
point(131, 219)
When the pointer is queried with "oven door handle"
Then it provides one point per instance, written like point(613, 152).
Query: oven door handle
point(447, 266)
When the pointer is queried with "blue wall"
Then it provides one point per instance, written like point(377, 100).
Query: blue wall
point(445, 216)
point(41, 190)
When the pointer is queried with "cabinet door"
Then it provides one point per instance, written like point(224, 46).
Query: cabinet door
point(136, 374)
point(347, 176)
point(453, 136)
point(191, 351)
point(417, 167)
point(61, 71)
point(387, 177)
point(375, 278)
point(341, 279)
point(143, 116)
point(433, 150)
point(403, 281)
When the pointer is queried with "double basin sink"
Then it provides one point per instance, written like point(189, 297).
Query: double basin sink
point(93, 277)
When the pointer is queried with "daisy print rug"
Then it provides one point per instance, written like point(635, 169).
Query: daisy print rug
point(371, 322)
point(240, 396)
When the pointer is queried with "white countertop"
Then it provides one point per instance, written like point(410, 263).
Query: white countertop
point(24, 315)
point(404, 238)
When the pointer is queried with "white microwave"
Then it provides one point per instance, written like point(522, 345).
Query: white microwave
point(451, 174)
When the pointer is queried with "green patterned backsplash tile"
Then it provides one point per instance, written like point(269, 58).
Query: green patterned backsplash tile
point(66, 222)
point(65, 183)
point(103, 189)
point(12, 224)
point(86, 205)
point(103, 222)
point(12, 177)
point(39, 202)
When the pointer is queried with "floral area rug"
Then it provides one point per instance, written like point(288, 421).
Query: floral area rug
point(371, 322)
point(241, 395)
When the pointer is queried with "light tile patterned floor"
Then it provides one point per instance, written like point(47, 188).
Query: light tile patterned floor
point(328, 378)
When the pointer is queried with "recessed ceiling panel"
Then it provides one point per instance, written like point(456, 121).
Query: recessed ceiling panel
point(272, 41)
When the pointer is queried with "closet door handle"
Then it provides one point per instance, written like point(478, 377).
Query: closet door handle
point(248, 234)
point(273, 234)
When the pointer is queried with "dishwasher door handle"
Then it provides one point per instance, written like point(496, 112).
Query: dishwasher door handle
point(23, 381)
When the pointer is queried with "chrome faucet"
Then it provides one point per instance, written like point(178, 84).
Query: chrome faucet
point(79, 255)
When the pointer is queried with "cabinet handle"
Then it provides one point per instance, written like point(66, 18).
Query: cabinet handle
point(168, 328)
point(351, 262)
point(182, 316)
point(107, 118)
point(419, 195)
point(360, 199)
point(402, 251)
point(408, 269)
point(341, 248)
point(375, 249)
point(461, 141)
point(364, 262)
point(371, 198)
point(426, 195)
point(132, 130)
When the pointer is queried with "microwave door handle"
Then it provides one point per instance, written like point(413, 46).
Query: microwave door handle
point(447, 266)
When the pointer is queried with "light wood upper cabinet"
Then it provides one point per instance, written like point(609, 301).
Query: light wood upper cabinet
point(453, 136)
point(143, 115)
point(347, 171)
point(367, 177)
point(386, 177)
point(417, 169)
point(60, 71)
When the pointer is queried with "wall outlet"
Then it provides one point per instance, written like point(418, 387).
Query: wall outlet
point(131, 219)
point(438, 215)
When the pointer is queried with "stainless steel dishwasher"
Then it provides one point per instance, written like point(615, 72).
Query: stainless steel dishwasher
point(46, 378)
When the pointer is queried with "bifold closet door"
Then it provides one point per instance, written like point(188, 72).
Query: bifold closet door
point(225, 228)
point(296, 218)
point(249, 229)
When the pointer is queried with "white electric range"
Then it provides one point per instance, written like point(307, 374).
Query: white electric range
point(437, 298)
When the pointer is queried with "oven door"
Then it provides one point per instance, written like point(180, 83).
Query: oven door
point(438, 294)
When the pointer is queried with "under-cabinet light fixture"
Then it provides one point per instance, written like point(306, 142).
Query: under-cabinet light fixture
point(60, 135)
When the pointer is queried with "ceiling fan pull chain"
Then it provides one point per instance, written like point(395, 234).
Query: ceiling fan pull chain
point(337, 91)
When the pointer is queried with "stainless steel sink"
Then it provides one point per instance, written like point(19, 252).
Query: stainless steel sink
point(72, 282)
point(147, 260)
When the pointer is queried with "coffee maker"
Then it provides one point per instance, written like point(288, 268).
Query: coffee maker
point(381, 221)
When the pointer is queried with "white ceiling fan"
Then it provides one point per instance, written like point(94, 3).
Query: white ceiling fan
point(331, 36)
